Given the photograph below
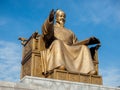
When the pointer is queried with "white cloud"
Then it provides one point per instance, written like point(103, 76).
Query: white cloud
point(10, 57)
point(111, 76)
point(106, 12)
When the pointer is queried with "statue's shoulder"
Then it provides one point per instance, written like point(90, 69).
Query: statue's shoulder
point(70, 31)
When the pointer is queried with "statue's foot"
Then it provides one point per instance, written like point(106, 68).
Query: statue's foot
point(62, 68)
point(93, 72)
point(46, 74)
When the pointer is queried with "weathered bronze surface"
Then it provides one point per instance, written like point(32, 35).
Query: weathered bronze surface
point(35, 59)
point(63, 48)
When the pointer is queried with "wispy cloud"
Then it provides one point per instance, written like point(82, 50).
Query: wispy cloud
point(10, 57)
point(111, 76)
point(105, 12)
point(3, 21)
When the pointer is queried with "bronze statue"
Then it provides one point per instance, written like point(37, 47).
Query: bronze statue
point(64, 51)
point(57, 54)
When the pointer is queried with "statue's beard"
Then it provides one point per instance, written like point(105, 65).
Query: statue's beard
point(61, 22)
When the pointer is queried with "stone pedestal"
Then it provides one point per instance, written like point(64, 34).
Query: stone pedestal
point(35, 83)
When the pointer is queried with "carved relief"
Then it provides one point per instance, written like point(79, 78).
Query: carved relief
point(27, 48)
point(64, 75)
point(61, 75)
point(26, 68)
point(36, 44)
point(37, 66)
point(74, 77)
point(96, 79)
point(85, 78)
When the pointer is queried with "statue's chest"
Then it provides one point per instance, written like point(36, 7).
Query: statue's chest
point(63, 35)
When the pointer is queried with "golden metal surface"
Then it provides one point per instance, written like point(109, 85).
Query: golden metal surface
point(58, 46)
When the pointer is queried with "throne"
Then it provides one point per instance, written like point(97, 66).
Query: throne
point(31, 64)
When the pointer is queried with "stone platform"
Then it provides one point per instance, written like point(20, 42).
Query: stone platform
point(35, 83)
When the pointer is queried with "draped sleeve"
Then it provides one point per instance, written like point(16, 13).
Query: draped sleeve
point(74, 39)
point(48, 32)
point(47, 27)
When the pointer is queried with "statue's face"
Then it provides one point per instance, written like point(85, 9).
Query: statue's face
point(60, 18)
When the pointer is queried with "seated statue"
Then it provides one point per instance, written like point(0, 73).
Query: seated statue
point(63, 50)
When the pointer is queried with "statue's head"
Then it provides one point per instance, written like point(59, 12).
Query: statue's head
point(60, 17)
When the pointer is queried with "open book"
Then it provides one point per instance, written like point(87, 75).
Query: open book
point(89, 41)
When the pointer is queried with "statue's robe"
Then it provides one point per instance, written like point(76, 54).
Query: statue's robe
point(64, 50)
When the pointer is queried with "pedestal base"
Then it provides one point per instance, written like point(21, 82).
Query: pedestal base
point(35, 83)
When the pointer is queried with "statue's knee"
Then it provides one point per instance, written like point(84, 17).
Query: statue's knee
point(84, 47)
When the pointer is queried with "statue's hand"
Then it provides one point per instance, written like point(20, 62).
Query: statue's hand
point(51, 15)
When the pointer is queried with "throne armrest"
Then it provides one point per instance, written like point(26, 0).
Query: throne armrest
point(41, 43)
point(94, 54)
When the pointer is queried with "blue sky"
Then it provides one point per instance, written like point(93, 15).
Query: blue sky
point(86, 18)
